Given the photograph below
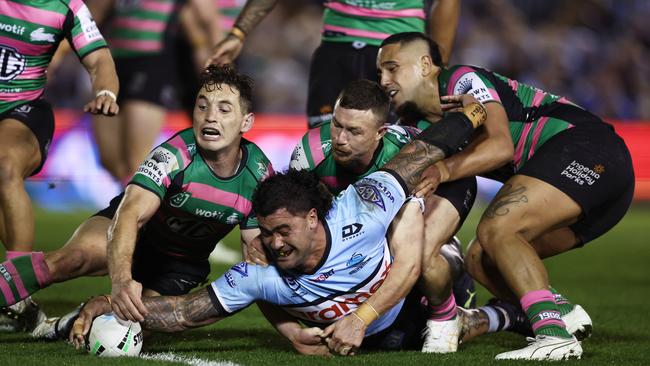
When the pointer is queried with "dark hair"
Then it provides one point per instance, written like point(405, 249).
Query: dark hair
point(363, 95)
point(409, 37)
point(214, 76)
point(297, 191)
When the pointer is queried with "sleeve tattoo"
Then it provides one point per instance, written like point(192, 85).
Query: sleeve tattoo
point(253, 13)
point(176, 313)
point(412, 160)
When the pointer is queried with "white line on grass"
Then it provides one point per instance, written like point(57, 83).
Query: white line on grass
point(193, 361)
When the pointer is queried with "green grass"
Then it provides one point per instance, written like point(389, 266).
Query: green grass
point(610, 277)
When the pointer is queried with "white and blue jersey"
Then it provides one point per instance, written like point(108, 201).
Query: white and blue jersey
point(356, 262)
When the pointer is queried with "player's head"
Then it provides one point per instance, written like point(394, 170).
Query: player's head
point(360, 112)
point(222, 112)
point(405, 62)
point(289, 207)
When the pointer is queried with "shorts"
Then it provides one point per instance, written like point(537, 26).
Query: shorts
point(591, 164)
point(333, 66)
point(146, 78)
point(158, 271)
point(39, 117)
point(461, 194)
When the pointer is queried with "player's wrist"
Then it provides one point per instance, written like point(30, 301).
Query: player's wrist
point(238, 33)
point(366, 313)
point(106, 92)
point(476, 113)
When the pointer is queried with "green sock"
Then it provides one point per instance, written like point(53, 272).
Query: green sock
point(562, 302)
point(544, 314)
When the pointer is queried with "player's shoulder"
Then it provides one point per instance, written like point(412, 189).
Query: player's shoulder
point(257, 163)
point(313, 148)
point(399, 135)
point(181, 145)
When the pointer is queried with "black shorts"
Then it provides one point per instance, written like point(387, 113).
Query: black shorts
point(333, 66)
point(39, 117)
point(461, 194)
point(146, 78)
point(592, 165)
point(158, 271)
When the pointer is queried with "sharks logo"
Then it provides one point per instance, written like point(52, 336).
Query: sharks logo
point(370, 193)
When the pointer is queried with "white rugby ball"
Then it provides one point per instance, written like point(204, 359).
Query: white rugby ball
point(112, 337)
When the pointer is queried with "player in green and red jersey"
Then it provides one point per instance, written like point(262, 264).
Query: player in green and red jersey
point(186, 196)
point(356, 143)
point(567, 175)
point(30, 34)
point(351, 35)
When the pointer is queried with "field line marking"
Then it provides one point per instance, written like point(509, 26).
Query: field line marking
point(192, 361)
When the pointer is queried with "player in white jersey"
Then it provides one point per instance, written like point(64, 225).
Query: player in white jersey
point(328, 255)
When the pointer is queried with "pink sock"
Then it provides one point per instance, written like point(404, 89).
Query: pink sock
point(11, 254)
point(444, 311)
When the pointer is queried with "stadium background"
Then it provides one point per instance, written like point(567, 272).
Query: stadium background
point(593, 51)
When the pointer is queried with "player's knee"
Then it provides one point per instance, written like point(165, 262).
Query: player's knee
point(492, 233)
point(9, 170)
point(66, 264)
point(473, 258)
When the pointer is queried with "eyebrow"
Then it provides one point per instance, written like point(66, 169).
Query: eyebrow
point(389, 62)
point(279, 227)
point(222, 101)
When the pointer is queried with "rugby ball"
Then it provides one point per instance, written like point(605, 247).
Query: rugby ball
point(111, 336)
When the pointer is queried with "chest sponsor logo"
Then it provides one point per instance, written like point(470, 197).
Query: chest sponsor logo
point(323, 276)
point(179, 199)
point(12, 63)
point(582, 174)
point(471, 83)
point(351, 231)
point(39, 35)
point(12, 28)
point(209, 213)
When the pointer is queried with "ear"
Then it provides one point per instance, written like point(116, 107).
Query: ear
point(381, 132)
point(312, 219)
point(427, 66)
point(249, 119)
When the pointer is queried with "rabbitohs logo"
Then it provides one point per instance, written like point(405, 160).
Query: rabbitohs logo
point(179, 199)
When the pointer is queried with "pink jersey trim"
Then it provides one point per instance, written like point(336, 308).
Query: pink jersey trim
point(538, 132)
point(31, 14)
point(26, 95)
point(7, 293)
point(81, 41)
point(179, 144)
point(75, 5)
point(514, 84)
point(140, 24)
point(315, 146)
point(218, 196)
point(519, 151)
point(157, 6)
point(22, 292)
point(25, 48)
point(136, 44)
point(375, 13)
point(356, 32)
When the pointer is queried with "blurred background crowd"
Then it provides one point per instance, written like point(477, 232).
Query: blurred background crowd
point(594, 52)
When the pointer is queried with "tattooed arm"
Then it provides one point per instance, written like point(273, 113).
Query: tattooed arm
point(251, 15)
point(441, 139)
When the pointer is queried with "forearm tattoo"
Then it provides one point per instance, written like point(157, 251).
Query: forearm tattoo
point(412, 160)
point(507, 197)
point(176, 313)
point(253, 13)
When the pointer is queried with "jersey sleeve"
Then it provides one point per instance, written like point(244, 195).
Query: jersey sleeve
point(467, 80)
point(155, 173)
point(380, 194)
point(242, 285)
point(83, 34)
point(312, 149)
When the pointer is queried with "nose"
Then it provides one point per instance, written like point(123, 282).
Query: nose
point(211, 115)
point(341, 137)
point(277, 242)
point(384, 79)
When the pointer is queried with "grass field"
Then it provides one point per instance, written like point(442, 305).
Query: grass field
point(610, 278)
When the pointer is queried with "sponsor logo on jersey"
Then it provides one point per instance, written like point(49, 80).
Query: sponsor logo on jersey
point(39, 35)
point(262, 170)
point(191, 148)
point(208, 213)
point(24, 109)
point(179, 199)
point(326, 146)
point(399, 133)
point(233, 219)
point(241, 268)
point(12, 63)
point(160, 156)
point(357, 262)
point(351, 231)
point(581, 174)
point(88, 25)
point(12, 28)
point(230, 280)
point(471, 83)
point(323, 276)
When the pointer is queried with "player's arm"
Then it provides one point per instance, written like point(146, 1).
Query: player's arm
point(439, 140)
point(252, 248)
point(443, 22)
point(200, 22)
point(136, 208)
point(164, 313)
point(490, 149)
point(105, 85)
point(251, 15)
point(406, 242)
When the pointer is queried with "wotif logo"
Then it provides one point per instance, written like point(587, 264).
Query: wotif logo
point(12, 28)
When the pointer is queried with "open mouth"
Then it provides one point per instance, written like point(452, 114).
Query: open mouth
point(391, 93)
point(284, 253)
point(210, 133)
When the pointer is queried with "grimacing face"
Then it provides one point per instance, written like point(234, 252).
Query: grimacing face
point(218, 120)
point(400, 71)
point(289, 238)
point(355, 136)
